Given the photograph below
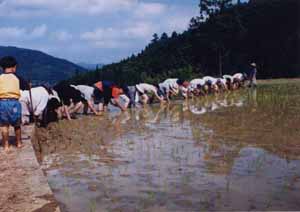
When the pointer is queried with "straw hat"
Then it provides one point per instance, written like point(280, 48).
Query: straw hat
point(253, 64)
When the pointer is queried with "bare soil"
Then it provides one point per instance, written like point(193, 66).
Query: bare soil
point(22, 185)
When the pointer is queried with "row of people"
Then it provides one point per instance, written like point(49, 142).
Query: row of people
point(65, 100)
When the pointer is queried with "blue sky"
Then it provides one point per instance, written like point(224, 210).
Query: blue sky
point(93, 31)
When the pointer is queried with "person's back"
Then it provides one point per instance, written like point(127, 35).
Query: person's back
point(238, 76)
point(170, 81)
point(10, 106)
point(35, 104)
point(9, 86)
point(195, 82)
point(211, 79)
point(226, 76)
point(67, 93)
point(87, 91)
point(146, 88)
point(170, 85)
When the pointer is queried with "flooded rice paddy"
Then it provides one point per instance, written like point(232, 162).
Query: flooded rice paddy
point(238, 151)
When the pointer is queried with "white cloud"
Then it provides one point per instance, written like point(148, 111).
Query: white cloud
point(8, 10)
point(177, 23)
point(62, 36)
point(140, 27)
point(66, 7)
point(111, 44)
point(148, 10)
point(11, 33)
point(27, 8)
point(93, 7)
point(120, 27)
point(39, 31)
point(140, 30)
point(112, 37)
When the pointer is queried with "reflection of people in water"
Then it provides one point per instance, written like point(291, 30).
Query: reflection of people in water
point(138, 117)
point(253, 97)
point(210, 105)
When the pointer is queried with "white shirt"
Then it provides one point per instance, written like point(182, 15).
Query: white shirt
point(223, 81)
point(146, 88)
point(228, 77)
point(238, 76)
point(170, 85)
point(86, 91)
point(54, 95)
point(40, 98)
point(194, 84)
point(209, 78)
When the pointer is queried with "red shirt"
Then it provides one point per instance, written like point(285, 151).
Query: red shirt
point(116, 92)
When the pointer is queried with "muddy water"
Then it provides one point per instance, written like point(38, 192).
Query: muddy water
point(239, 151)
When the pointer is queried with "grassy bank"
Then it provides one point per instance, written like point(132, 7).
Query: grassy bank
point(278, 81)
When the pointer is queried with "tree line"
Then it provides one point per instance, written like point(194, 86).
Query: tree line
point(224, 38)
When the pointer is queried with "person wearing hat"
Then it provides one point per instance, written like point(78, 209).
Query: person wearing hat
point(10, 107)
point(252, 76)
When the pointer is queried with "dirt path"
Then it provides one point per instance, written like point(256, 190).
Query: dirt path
point(23, 187)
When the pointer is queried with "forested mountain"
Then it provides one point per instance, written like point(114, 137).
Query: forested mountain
point(234, 35)
point(90, 66)
point(40, 67)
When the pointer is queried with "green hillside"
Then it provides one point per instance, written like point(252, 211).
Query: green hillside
point(237, 34)
point(40, 67)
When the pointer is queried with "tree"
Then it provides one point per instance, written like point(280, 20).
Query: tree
point(155, 38)
point(174, 34)
point(194, 23)
point(225, 43)
point(209, 8)
point(77, 72)
point(164, 36)
point(223, 29)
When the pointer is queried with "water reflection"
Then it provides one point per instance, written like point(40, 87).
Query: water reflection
point(237, 151)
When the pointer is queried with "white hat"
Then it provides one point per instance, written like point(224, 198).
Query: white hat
point(253, 64)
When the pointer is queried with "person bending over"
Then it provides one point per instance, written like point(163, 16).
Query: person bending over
point(107, 92)
point(171, 87)
point(144, 89)
point(71, 99)
point(196, 88)
point(88, 94)
point(34, 104)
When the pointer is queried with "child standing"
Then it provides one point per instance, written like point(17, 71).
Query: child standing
point(10, 107)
